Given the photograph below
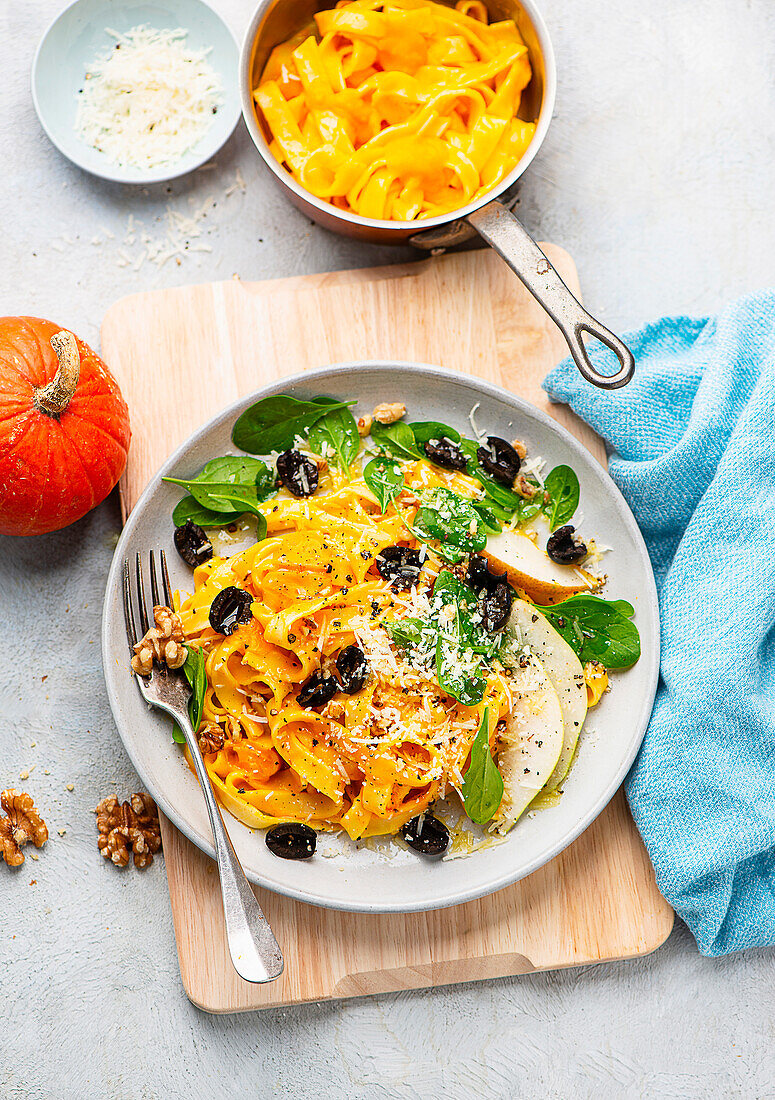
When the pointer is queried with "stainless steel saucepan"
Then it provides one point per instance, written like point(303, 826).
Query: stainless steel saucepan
point(490, 216)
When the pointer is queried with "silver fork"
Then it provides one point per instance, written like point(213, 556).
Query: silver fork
point(254, 950)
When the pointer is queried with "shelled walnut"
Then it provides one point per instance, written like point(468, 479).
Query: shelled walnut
point(389, 412)
point(162, 643)
point(211, 738)
point(22, 824)
point(128, 827)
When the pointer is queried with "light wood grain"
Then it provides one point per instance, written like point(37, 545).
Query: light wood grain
point(171, 351)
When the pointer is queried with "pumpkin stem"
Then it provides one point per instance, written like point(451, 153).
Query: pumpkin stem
point(54, 398)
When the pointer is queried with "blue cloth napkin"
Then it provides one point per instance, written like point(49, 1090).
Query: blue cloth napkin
point(692, 448)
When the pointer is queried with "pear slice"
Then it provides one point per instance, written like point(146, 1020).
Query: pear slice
point(530, 745)
point(563, 668)
point(530, 569)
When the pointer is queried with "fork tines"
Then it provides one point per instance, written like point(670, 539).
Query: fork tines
point(145, 619)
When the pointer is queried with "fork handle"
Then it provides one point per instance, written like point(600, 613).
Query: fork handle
point(254, 950)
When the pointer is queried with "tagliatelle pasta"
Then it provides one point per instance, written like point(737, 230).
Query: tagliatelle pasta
point(394, 643)
point(366, 763)
point(398, 110)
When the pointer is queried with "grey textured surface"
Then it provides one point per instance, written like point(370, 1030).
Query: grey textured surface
point(656, 175)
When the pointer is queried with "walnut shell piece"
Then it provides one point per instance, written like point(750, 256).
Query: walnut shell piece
point(128, 828)
point(22, 824)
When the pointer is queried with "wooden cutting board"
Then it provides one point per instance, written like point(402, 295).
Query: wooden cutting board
point(182, 354)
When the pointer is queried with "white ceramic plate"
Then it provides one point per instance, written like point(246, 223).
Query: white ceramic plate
point(78, 35)
point(342, 875)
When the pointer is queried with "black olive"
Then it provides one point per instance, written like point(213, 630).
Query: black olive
point(495, 607)
point(443, 452)
point(298, 473)
point(400, 565)
point(495, 594)
point(292, 841)
point(427, 835)
point(192, 544)
point(499, 459)
point(479, 577)
point(230, 608)
point(353, 669)
point(317, 690)
point(563, 546)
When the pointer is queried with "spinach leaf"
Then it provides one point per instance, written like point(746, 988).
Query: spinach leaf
point(230, 485)
point(482, 782)
point(274, 423)
point(189, 508)
point(453, 638)
point(397, 439)
point(384, 478)
point(424, 430)
point(597, 629)
point(466, 621)
point(489, 517)
point(453, 522)
point(458, 639)
point(625, 608)
point(468, 689)
point(194, 670)
point(562, 485)
point(405, 632)
point(336, 434)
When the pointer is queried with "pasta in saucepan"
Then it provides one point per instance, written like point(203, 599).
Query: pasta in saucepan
point(398, 110)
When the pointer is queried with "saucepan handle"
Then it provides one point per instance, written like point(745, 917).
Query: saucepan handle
point(498, 226)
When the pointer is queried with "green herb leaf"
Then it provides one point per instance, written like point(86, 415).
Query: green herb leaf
point(489, 517)
point(482, 782)
point(336, 434)
point(385, 479)
point(468, 690)
point(230, 485)
point(625, 608)
point(405, 632)
point(597, 629)
point(466, 622)
point(189, 508)
point(194, 670)
point(456, 642)
point(425, 430)
point(274, 423)
point(453, 522)
point(459, 639)
point(397, 439)
point(562, 485)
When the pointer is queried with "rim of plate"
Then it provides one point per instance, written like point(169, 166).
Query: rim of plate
point(648, 662)
point(114, 173)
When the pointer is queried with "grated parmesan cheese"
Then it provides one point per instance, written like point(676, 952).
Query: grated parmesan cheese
point(149, 100)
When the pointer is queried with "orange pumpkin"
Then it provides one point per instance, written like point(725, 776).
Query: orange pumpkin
point(64, 427)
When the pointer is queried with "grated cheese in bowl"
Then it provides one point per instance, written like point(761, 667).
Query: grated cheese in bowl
point(149, 100)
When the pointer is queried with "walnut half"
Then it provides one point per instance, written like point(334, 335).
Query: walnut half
point(211, 739)
point(389, 412)
point(163, 643)
point(23, 824)
point(131, 826)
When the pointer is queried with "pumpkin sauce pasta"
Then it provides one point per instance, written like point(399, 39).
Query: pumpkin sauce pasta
point(395, 636)
point(399, 110)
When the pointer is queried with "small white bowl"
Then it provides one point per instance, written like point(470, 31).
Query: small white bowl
point(78, 35)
